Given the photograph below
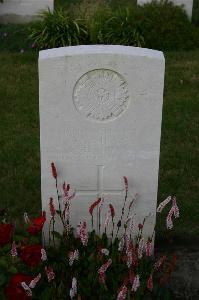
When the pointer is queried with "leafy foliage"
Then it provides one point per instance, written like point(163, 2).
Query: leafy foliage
point(167, 27)
point(158, 25)
point(79, 264)
point(126, 33)
point(195, 16)
point(58, 29)
point(85, 269)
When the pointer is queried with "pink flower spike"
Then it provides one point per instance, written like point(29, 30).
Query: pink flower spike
point(34, 282)
point(126, 182)
point(122, 294)
point(160, 262)
point(73, 256)
point(66, 188)
point(169, 221)
point(136, 283)
point(54, 170)
point(52, 208)
point(50, 273)
point(112, 211)
point(83, 233)
point(163, 204)
point(176, 209)
point(148, 248)
point(108, 217)
point(121, 244)
point(67, 196)
point(141, 248)
point(26, 218)
point(14, 250)
point(130, 221)
point(93, 205)
point(140, 226)
point(71, 196)
point(26, 289)
point(103, 269)
point(150, 283)
point(129, 258)
point(73, 290)
point(43, 255)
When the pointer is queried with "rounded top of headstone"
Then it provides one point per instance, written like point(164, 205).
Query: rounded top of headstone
point(100, 49)
point(101, 95)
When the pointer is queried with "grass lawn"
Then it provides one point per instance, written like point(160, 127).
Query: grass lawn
point(19, 139)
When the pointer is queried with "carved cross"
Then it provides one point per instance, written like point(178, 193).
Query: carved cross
point(100, 192)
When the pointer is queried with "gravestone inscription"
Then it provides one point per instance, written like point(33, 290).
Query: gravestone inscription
point(100, 120)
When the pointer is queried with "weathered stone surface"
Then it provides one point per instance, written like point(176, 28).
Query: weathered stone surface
point(100, 120)
point(187, 4)
point(19, 11)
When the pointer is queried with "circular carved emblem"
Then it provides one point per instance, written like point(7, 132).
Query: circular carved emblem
point(101, 95)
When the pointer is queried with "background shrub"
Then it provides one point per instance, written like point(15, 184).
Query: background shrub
point(57, 29)
point(195, 17)
point(119, 27)
point(167, 27)
point(158, 25)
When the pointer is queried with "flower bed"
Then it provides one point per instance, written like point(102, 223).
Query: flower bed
point(79, 264)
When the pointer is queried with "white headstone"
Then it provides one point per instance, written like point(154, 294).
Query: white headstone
point(187, 5)
point(14, 11)
point(100, 120)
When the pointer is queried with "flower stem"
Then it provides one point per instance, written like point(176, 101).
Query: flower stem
point(122, 214)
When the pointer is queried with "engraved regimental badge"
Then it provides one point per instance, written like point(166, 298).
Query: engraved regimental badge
point(101, 95)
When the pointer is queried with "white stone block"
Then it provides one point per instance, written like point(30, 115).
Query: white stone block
point(22, 10)
point(100, 120)
point(187, 5)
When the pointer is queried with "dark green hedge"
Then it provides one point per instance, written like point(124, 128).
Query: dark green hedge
point(158, 25)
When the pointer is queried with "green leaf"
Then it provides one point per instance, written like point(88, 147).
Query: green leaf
point(7, 248)
point(2, 279)
point(12, 270)
point(46, 294)
point(3, 263)
point(18, 238)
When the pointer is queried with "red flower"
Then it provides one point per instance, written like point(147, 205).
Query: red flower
point(6, 231)
point(112, 210)
point(91, 208)
point(52, 208)
point(14, 290)
point(37, 224)
point(150, 283)
point(31, 255)
point(140, 226)
point(54, 171)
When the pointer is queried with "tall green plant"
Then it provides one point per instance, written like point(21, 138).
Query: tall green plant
point(167, 27)
point(123, 28)
point(57, 29)
point(195, 16)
